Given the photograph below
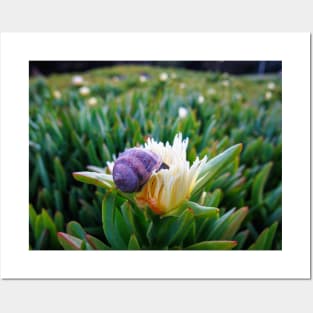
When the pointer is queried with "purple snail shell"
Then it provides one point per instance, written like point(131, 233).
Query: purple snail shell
point(133, 168)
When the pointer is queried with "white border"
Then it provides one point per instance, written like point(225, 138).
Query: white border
point(292, 262)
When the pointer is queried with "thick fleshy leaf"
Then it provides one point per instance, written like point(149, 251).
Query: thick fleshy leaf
point(108, 223)
point(212, 245)
point(265, 240)
point(32, 216)
point(133, 243)
point(219, 226)
point(96, 169)
point(97, 179)
point(59, 173)
point(42, 242)
point(48, 224)
point(69, 242)
point(59, 221)
point(178, 230)
point(241, 239)
point(233, 224)
point(259, 183)
point(95, 243)
point(75, 229)
point(42, 171)
point(204, 211)
point(214, 166)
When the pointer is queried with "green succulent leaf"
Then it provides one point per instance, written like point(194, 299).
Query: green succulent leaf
point(204, 211)
point(75, 229)
point(233, 223)
point(110, 229)
point(213, 245)
point(133, 243)
point(48, 224)
point(97, 179)
point(59, 174)
point(95, 243)
point(69, 242)
point(265, 239)
point(214, 166)
point(259, 183)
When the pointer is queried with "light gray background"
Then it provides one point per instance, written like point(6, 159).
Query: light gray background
point(156, 296)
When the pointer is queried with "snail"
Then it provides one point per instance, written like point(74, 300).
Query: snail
point(133, 168)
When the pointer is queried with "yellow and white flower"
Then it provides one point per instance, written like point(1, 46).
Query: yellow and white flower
point(91, 102)
point(84, 91)
point(169, 188)
point(200, 99)
point(143, 78)
point(163, 77)
point(225, 83)
point(271, 86)
point(57, 94)
point(182, 85)
point(268, 95)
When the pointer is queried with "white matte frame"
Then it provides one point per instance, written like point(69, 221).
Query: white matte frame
point(292, 262)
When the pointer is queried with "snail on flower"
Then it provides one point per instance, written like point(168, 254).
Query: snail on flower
point(158, 174)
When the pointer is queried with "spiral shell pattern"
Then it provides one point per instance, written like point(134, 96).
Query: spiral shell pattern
point(133, 169)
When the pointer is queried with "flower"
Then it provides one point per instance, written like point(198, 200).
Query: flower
point(225, 83)
point(182, 85)
point(77, 80)
point(182, 112)
point(163, 77)
point(57, 94)
point(200, 99)
point(268, 95)
point(271, 86)
point(84, 91)
point(92, 101)
point(168, 188)
point(143, 78)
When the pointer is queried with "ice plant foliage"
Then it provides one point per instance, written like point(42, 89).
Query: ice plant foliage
point(191, 202)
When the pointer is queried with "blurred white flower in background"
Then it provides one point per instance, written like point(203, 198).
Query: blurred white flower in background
point(268, 95)
point(57, 94)
point(77, 80)
point(163, 77)
point(143, 78)
point(182, 85)
point(182, 112)
point(84, 91)
point(271, 86)
point(92, 101)
point(200, 99)
point(225, 83)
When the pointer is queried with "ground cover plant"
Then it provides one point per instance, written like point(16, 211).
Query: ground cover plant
point(79, 123)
